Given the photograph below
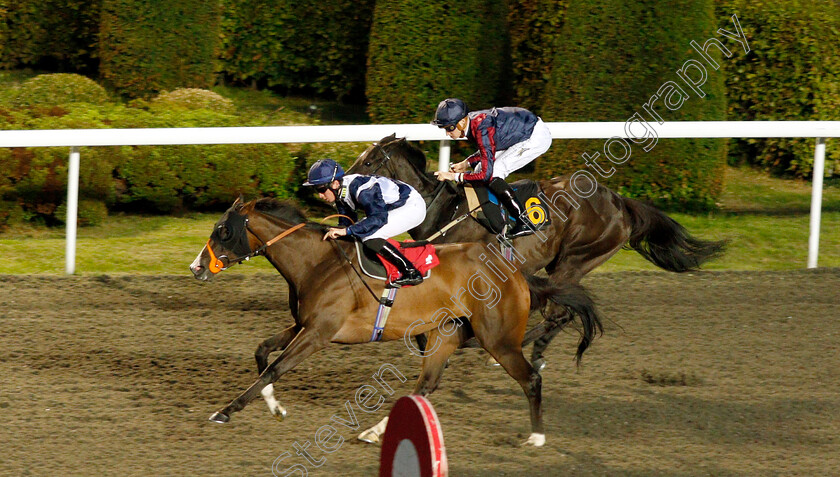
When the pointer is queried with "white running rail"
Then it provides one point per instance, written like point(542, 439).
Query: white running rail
point(76, 138)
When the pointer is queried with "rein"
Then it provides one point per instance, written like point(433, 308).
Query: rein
point(429, 199)
point(347, 259)
point(216, 265)
point(381, 163)
point(434, 195)
point(443, 230)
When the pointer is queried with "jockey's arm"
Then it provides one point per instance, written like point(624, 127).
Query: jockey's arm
point(351, 218)
point(376, 215)
point(485, 155)
point(474, 158)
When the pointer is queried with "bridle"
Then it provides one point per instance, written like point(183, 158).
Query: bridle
point(216, 264)
point(383, 161)
point(428, 198)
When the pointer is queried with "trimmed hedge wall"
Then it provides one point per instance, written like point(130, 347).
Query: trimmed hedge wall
point(606, 70)
point(148, 47)
point(51, 34)
point(792, 73)
point(33, 181)
point(422, 52)
point(535, 37)
point(310, 46)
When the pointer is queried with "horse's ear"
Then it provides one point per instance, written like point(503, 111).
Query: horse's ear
point(387, 139)
point(238, 202)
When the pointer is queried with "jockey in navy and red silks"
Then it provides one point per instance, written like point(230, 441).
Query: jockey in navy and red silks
point(495, 130)
point(391, 207)
point(507, 139)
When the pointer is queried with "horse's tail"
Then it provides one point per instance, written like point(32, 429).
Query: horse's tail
point(575, 299)
point(666, 243)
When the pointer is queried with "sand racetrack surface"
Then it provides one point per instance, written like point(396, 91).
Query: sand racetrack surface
point(714, 373)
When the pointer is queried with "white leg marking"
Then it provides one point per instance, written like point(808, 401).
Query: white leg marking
point(274, 406)
point(536, 440)
point(372, 435)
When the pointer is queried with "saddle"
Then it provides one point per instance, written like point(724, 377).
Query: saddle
point(488, 212)
point(424, 259)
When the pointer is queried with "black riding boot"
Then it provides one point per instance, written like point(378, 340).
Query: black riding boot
point(506, 196)
point(408, 274)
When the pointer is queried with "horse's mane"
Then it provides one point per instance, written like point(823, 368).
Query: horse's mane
point(413, 154)
point(282, 210)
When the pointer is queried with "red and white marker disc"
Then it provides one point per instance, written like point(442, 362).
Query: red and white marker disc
point(412, 445)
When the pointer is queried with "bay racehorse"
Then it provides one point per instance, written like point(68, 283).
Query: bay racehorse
point(585, 229)
point(468, 295)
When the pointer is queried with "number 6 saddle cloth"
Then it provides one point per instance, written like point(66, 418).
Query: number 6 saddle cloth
point(493, 215)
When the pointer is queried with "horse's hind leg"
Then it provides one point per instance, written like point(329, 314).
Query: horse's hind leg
point(559, 317)
point(505, 345)
point(276, 342)
point(433, 365)
point(579, 260)
point(531, 382)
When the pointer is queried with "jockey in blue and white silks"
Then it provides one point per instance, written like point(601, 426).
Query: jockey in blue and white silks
point(391, 207)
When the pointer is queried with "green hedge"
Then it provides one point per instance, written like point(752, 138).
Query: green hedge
point(57, 88)
point(422, 52)
point(33, 181)
point(309, 46)
point(149, 47)
point(606, 70)
point(50, 34)
point(535, 37)
point(792, 73)
point(192, 99)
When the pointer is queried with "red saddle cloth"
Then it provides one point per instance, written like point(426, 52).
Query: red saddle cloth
point(424, 259)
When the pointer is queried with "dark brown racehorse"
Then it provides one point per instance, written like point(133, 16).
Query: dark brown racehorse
point(330, 303)
point(584, 232)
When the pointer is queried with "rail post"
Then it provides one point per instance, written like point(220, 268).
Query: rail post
point(72, 209)
point(816, 202)
point(443, 158)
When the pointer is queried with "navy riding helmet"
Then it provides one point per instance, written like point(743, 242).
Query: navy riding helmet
point(449, 112)
point(323, 172)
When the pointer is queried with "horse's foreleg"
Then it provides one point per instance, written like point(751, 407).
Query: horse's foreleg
point(276, 342)
point(421, 341)
point(435, 363)
point(433, 366)
point(302, 346)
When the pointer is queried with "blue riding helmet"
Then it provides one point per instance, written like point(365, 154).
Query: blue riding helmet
point(449, 112)
point(323, 172)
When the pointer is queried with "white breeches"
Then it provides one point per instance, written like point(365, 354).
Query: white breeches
point(402, 219)
point(517, 156)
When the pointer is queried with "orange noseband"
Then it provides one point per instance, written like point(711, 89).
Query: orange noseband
point(215, 265)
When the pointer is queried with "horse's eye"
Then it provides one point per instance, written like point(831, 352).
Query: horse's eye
point(367, 164)
point(224, 233)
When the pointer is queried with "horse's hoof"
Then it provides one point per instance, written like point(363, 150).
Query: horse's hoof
point(280, 414)
point(536, 440)
point(220, 417)
point(538, 364)
point(369, 436)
